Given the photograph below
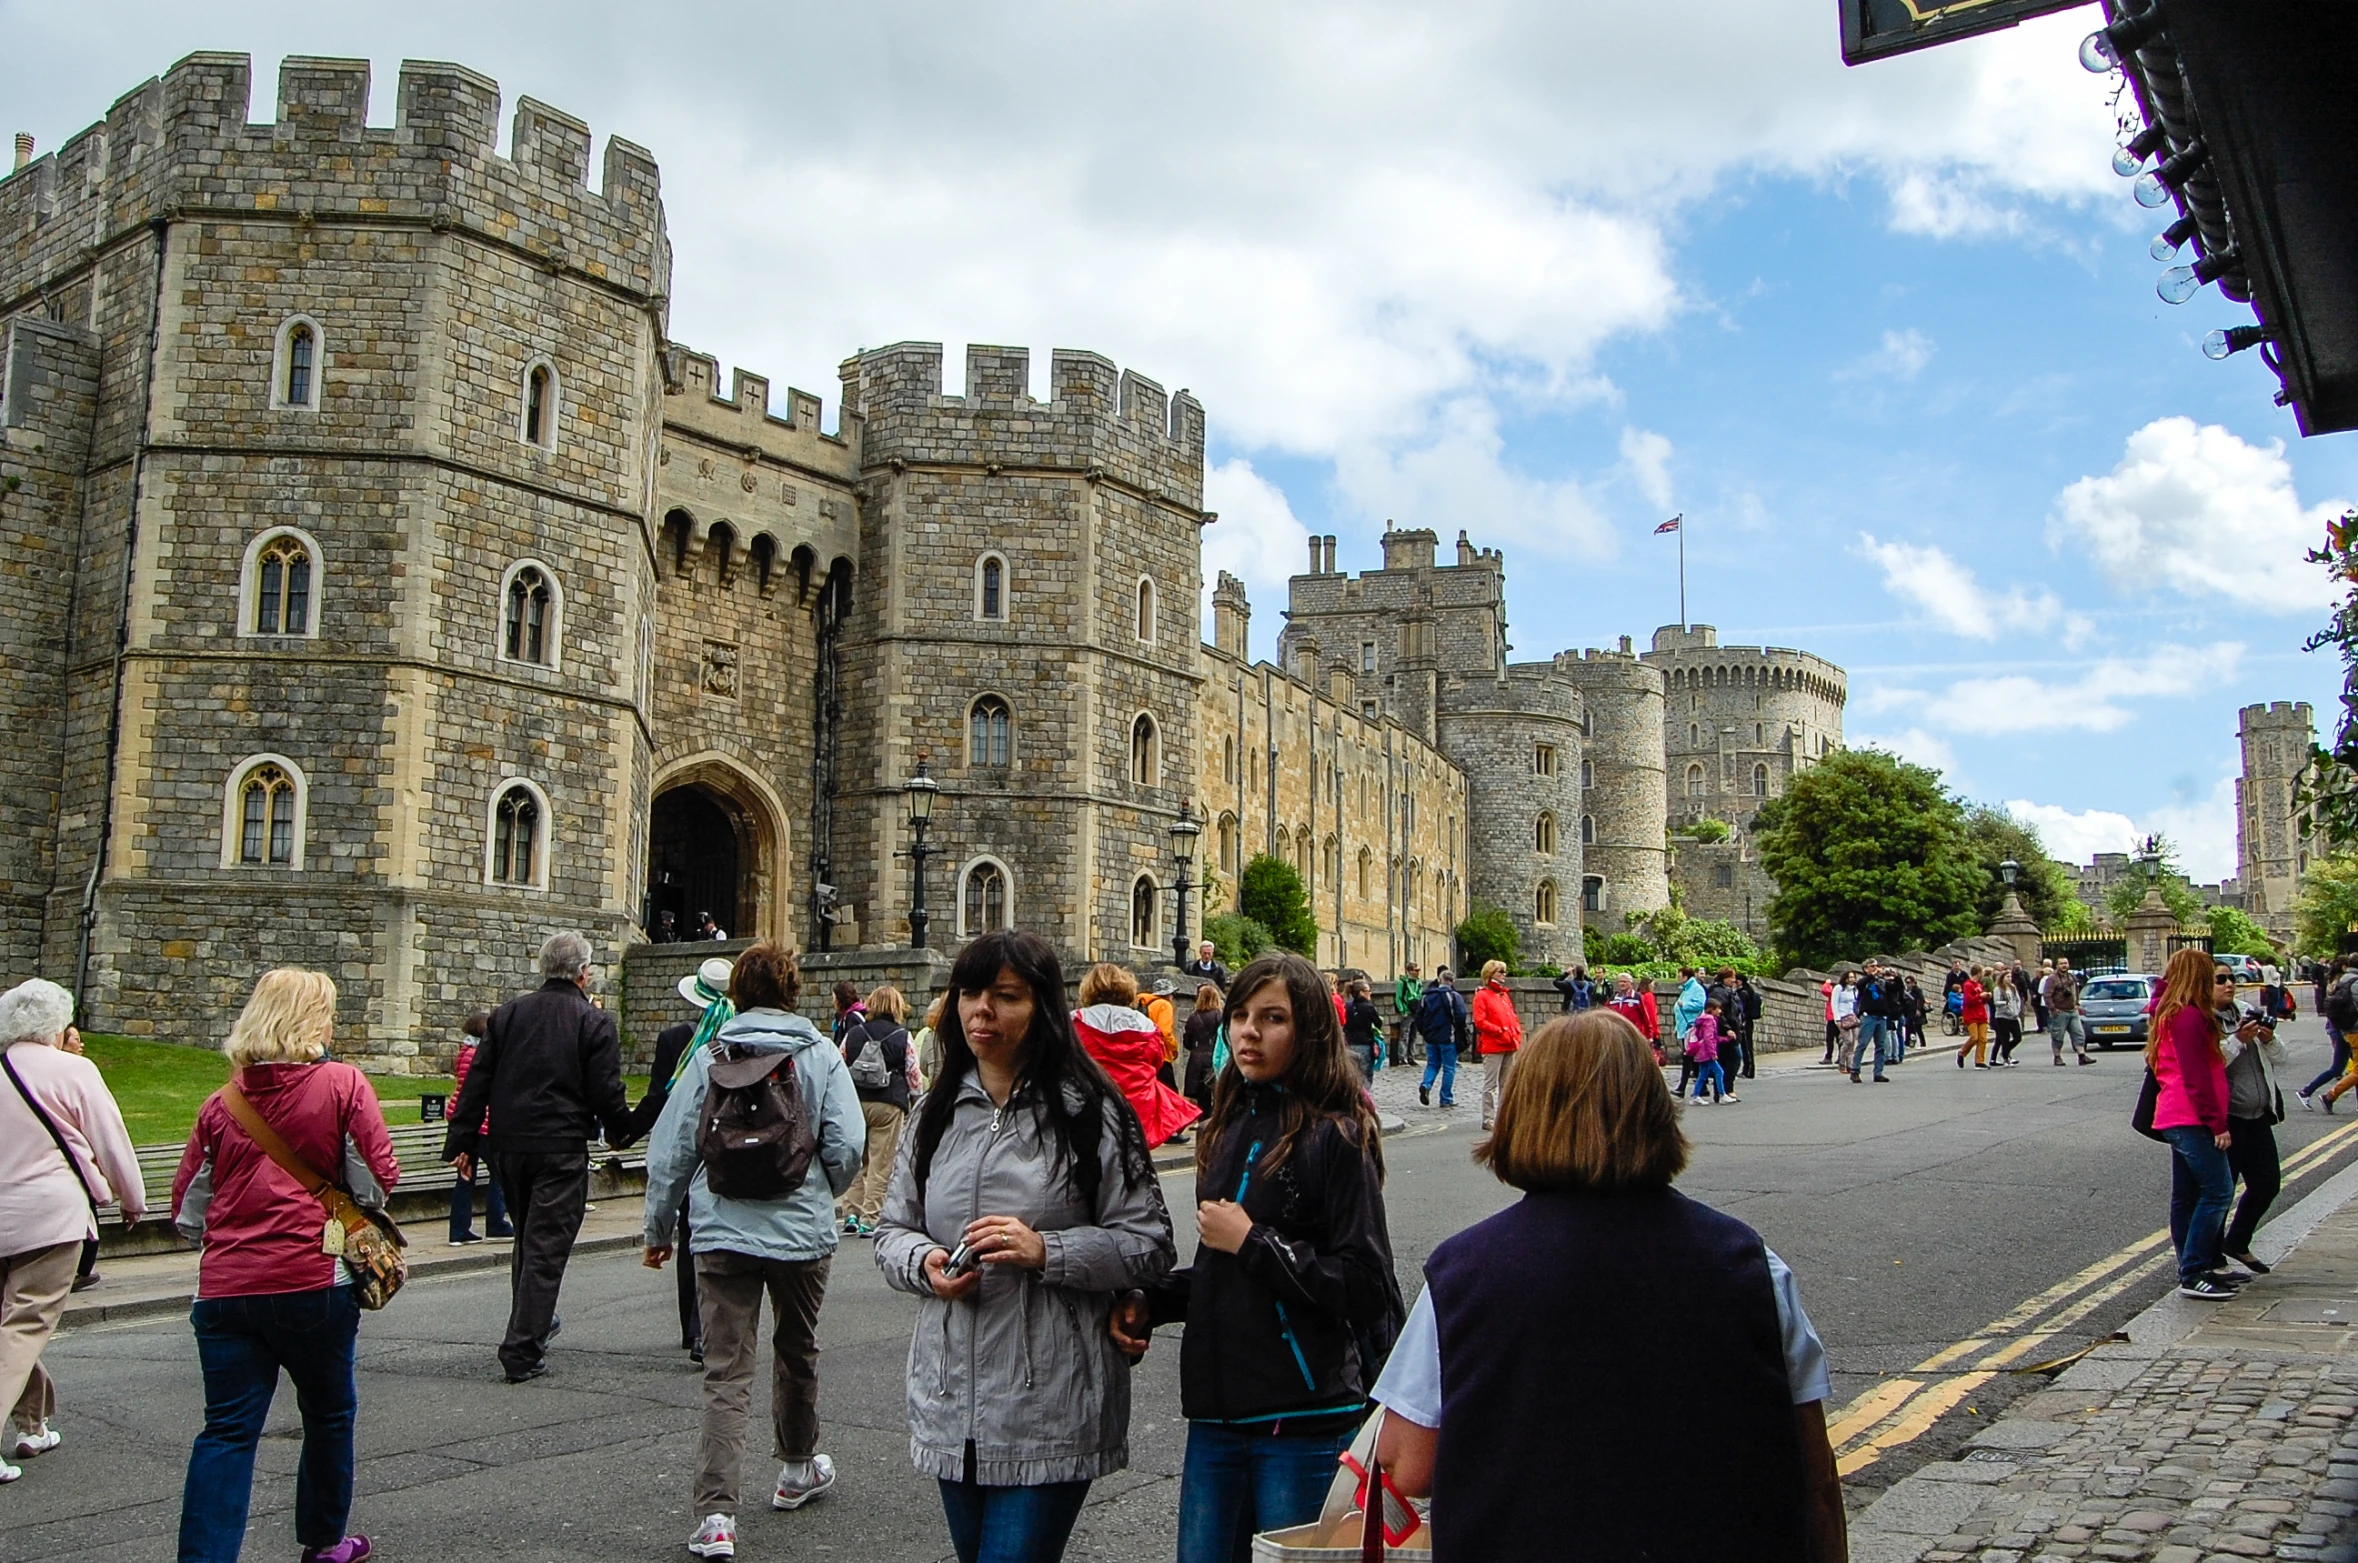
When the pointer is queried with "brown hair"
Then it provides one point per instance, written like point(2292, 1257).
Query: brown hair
point(1322, 1084)
point(847, 994)
point(2186, 984)
point(1586, 1109)
point(478, 1024)
point(1207, 996)
point(767, 977)
point(1106, 983)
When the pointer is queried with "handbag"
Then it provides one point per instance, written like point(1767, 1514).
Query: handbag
point(2148, 1102)
point(55, 1137)
point(368, 1241)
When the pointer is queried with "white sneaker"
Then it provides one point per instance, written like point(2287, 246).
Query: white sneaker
point(9, 1473)
point(799, 1481)
point(716, 1537)
point(39, 1441)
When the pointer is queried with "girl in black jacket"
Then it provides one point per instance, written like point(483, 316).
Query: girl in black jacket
point(1292, 1282)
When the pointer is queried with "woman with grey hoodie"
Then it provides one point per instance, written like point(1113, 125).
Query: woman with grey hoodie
point(744, 1247)
point(1022, 1202)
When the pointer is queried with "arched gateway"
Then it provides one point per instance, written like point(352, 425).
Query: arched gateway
point(716, 842)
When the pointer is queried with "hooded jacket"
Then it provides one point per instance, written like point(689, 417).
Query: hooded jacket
point(1022, 1367)
point(1274, 1329)
point(1129, 1047)
point(1441, 1016)
point(800, 1226)
point(258, 1229)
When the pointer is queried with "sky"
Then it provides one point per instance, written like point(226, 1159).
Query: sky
point(1546, 273)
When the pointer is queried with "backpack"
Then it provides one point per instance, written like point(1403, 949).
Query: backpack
point(863, 1051)
point(2341, 1005)
point(754, 1137)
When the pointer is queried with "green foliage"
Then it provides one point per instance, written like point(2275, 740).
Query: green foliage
point(1487, 934)
point(1710, 830)
point(1270, 892)
point(2326, 907)
point(1235, 938)
point(2234, 933)
point(1625, 949)
point(1696, 941)
point(1869, 853)
point(2074, 919)
point(2157, 865)
point(2041, 882)
point(2328, 785)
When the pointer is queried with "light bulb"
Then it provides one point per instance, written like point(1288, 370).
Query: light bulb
point(2234, 339)
point(2151, 191)
point(2126, 162)
point(2178, 284)
point(2166, 242)
point(2096, 53)
point(2132, 154)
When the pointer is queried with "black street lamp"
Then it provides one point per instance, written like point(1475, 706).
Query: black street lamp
point(1184, 833)
point(922, 790)
point(2007, 870)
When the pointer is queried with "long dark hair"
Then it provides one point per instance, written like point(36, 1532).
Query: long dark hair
point(1321, 1085)
point(1070, 1094)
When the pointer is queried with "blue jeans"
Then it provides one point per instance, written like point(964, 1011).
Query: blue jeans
point(1875, 1036)
point(1441, 1059)
point(1011, 1524)
point(2202, 1183)
point(1238, 1481)
point(1710, 1074)
point(462, 1208)
point(2341, 1059)
point(242, 1342)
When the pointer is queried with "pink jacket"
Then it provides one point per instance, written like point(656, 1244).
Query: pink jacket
point(259, 1231)
point(41, 1202)
point(2192, 1074)
point(1703, 1041)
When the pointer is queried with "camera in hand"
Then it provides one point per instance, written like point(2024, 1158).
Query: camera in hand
point(960, 1262)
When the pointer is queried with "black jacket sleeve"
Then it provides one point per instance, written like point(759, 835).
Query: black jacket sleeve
point(465, 1125)
point(1351, 1276)
point(601, 1076)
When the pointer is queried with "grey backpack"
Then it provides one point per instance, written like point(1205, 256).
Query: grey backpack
point(863, 1052)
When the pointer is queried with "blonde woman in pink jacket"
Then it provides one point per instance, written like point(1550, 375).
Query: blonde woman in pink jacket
point(63, 1153)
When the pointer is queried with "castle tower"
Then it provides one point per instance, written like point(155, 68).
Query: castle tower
point(2271, 846)
point(1624, 861)
point(1739, 722)
point(364, 549)
point(1027, 618)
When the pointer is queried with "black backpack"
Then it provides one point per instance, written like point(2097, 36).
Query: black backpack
point(754, 1136)
point(2341, 1006)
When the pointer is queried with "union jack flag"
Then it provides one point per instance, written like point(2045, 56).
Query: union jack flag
point(1670, 525)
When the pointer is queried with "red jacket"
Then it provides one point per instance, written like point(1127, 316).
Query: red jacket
point(458, 1071)
point(1497, 1028)
point(1129, 1048)
point(259, 1231)
point(2192, 1075)
point(1640, 1011)
point(1976, 1007)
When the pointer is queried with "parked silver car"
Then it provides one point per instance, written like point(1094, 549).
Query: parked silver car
point(2113, 1008)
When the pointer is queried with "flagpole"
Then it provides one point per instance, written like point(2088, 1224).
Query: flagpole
point(1682, 573)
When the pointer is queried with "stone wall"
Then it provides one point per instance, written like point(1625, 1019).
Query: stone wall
point(2271, 849)
point(1518, 741)
point(1622, 801)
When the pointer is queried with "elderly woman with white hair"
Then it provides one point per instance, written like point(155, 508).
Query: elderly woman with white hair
point(63, 1153)
point(270, 1295)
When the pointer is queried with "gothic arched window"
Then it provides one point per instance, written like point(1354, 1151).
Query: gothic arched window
point(1145, 762)
point(1145, 926)
point(1543, 835)
point(1588, 829)
point(266, 815)
point(519, 827)
point(296, 364)
point(281, 576)
point(532, 608)
point(990, 588)
point(1760, 781)
point(982, 903)
point(1695, 781)
point(536, 421)
point(1543, 903)
point(987, 722)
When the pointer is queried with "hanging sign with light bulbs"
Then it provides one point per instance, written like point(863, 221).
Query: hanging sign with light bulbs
point(1872, 29)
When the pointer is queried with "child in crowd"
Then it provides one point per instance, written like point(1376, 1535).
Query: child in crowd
point(1703, 1053)
point(462, 1191)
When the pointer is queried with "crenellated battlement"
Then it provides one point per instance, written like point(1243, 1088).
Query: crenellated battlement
point(182, 145)
point(742, 419)
point(1097, 416)
point(2276, 713)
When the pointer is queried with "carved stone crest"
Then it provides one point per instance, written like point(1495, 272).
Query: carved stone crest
point(720, 669)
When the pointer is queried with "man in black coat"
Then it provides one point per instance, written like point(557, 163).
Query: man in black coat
point(550, 1073)
point(1206, 966)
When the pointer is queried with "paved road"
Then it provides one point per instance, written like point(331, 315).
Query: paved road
point(1916, 1213)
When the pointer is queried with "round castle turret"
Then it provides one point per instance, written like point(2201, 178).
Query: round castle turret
point(1518, 738)
point(1625, 865)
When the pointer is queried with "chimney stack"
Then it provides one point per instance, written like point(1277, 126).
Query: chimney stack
point(24, 148)
point(1315, 551)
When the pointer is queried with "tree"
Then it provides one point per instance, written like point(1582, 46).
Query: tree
point(2038, 879)
point(2328, 787)
point(1487, 934)
point(2074, 919)
point(2234, 933)
point(2157, 866)
point(1270, 892)
point(1695, 941)
point(1712, 831)
point(1868, 853)
point(2326, 907)
point(1235, 939)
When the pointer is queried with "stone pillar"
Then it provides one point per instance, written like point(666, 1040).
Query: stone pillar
point(2016, 927)
point(2148, 929)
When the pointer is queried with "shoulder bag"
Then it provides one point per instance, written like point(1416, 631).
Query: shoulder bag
point(55, 1137)
point(367, 1241)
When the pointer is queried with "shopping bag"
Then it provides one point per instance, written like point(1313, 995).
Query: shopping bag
point(1344, 1531)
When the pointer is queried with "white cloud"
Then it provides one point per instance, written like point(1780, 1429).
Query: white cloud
point(1461, 470)
point(1647, 456)
point(2200, 511)
point(1876, 699)
point(1257, 539)
point(1948, 594)
point(1902, 356)
point(1918, 747)
point(2092, 702)
point(2076, 837)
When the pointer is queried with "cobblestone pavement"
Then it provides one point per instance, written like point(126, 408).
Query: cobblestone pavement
point(2219, 1434)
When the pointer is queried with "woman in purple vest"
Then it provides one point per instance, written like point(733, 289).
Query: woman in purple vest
point(1552, 1378)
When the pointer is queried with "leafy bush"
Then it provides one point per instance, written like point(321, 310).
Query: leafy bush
point(1271, 893)
point(1713, 831)
point(2234, 933)
point(1235, 937)
point(1487, 934)
point(1624, 949)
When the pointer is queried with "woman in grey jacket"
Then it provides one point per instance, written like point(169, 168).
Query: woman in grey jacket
point(744, 1247)
point(1026, 1167)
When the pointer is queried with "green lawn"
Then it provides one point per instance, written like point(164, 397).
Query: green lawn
point(160, 1085)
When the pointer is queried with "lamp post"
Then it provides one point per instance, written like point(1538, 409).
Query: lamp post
point(2007, 870)
point(1184, 833)
point(922, 790)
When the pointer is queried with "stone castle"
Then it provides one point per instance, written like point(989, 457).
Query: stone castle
point(389, 589)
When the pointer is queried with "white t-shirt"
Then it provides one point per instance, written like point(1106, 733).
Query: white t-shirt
point(1411, 1381)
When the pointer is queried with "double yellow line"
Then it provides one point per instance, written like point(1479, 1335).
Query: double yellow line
point(1900, 1410)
